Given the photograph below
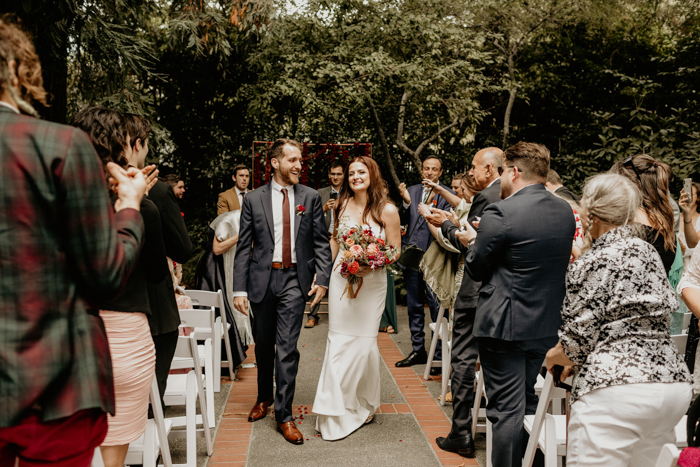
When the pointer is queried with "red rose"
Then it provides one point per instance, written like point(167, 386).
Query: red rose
point(353, 267)
point(381, 242)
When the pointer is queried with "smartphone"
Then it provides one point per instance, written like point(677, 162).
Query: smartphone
point(334, 195)
point(688, 186)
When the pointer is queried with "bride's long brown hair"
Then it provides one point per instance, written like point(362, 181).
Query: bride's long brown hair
point(376, 200)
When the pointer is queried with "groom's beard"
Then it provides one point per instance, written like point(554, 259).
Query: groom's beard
point(287, 177)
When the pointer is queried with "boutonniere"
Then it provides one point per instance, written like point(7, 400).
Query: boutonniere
point(435, 202)
point(300, 210)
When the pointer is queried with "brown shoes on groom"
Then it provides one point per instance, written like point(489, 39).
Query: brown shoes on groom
point(290, 432)
point(259, 410)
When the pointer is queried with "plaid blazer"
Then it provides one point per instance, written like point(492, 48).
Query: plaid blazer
point(62, 252)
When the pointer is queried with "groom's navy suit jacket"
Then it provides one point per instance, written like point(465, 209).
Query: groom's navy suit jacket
point(256, 242)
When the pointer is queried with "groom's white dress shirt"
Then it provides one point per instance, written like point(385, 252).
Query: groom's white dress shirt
point(277, 199)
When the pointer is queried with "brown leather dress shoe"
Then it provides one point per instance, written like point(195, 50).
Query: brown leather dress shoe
point(259, 410)
point(310, 323)
point(290, 432)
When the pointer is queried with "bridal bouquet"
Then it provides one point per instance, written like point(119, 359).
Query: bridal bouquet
point(359, 247)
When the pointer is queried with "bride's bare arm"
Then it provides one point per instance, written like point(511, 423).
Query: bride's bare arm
point(334, 249)
point(393, 225)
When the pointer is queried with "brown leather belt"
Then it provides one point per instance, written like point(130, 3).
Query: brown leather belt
point(280, 266)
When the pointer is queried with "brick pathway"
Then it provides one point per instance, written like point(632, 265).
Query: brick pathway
point(233, 436)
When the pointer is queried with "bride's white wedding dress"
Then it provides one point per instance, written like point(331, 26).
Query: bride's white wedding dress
point(348, 390)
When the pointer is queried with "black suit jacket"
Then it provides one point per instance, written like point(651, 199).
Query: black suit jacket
point(521, 255)
point(256, 243)
point(178, 246)
point(468, 294)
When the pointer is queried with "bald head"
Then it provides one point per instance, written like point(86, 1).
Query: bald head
point(485, 166)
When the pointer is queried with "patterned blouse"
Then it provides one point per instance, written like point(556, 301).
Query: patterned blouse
point(616, 316)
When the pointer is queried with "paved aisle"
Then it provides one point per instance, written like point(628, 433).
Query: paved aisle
point(403, 434)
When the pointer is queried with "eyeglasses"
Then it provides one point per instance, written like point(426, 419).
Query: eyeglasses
point(500, 169)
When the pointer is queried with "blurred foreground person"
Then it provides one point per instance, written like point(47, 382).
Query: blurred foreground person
point(126, 318)
point(63, 250)
point(631, 386)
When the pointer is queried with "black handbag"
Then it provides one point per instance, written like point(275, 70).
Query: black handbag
point(411, 254)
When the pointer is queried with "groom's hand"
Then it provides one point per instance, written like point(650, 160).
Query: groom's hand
point(241, 304)
point(320, 293)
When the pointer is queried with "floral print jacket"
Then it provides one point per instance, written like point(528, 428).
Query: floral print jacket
point(616, 316)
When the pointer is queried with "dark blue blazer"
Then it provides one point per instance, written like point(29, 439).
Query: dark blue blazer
point(256, 243)
point(421, 236)
point(521, 255)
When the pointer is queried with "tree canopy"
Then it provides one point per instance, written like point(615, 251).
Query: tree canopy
point(593, 80)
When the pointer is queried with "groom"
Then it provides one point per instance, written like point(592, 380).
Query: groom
point(282, 245)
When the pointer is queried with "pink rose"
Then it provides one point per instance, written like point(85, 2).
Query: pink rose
point(356, 251)
point(349, 242)
point(373, 250)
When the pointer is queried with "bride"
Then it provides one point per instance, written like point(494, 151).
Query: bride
point(348, 391)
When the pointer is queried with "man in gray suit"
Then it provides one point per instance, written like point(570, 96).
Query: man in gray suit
point(328, 196)
point(282, 247)
point(520, 254)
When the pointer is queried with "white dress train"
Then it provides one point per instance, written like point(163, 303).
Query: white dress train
point(349, 388)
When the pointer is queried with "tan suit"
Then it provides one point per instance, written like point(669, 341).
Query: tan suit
point(228, 201)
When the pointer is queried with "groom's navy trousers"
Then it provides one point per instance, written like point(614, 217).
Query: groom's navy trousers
point(278, 320)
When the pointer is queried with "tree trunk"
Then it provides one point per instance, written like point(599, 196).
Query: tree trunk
point(511, 99)
point(385, 145)
point(399, 133)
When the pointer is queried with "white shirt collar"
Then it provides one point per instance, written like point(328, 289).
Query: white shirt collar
point(493, 181)
point(333, 190)
point(9, 106)
point(278, 188)
point(238, 192)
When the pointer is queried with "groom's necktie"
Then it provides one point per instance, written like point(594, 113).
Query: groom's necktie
point(286, 231)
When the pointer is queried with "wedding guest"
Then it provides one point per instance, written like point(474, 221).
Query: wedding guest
point(554, 185)
point(329, 195)
point(521, 253)
point(690, 233)
point(457, 184)
point(176, 184)
point(655, 211)
point(631, 386)
point(126, 318)
point(183, 301)
point(390, 319)
point(231, 200)
point(419, 235)
point(63, 251)
point(165, 318)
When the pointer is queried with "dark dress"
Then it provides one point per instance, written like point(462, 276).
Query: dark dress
point(389, 317)
point(210, 276)
point(657, 241)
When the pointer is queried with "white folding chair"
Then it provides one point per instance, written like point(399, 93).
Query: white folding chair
point(201, 319)
point(680, 340)
point(547, 431)
point(215, 299)
point(186, 390)
point(441, 331)
point(477, 411)
point(154, 442)
point(669, 456)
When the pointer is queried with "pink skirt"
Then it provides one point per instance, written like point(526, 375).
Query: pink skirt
point(133, 365)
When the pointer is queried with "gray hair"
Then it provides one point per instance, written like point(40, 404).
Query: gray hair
point(611, 198)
